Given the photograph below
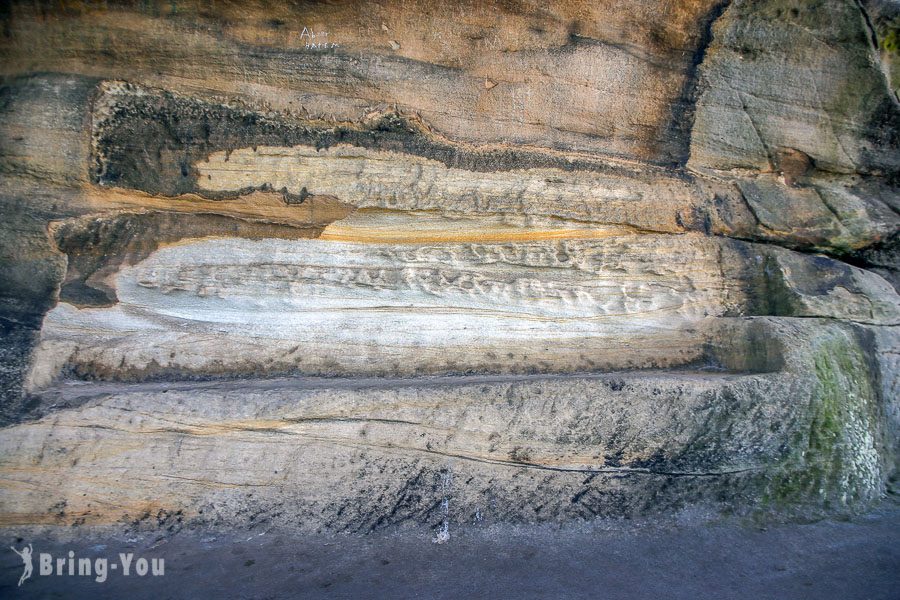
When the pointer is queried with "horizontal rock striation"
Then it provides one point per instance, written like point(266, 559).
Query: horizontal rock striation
point(318, 307)
point(550, 263)
point(496, 449)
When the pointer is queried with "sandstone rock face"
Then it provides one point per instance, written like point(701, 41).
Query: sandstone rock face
point(348, 266)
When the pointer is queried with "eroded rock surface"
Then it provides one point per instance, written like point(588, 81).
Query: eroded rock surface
point(463, 263)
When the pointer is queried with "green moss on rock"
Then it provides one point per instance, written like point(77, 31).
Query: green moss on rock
point(889, 37)
point(835, 463)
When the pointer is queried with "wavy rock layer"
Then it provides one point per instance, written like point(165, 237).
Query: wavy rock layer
point(546, 264)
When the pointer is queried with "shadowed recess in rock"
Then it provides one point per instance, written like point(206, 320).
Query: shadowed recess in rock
point(320, 307)
point(98, 246)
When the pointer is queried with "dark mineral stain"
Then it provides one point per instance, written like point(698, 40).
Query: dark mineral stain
point(98, 246)
point(149, 141)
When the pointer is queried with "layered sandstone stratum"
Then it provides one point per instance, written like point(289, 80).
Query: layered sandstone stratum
point(350, 265)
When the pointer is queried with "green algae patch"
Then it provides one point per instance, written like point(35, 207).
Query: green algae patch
point(889, 36)
point(834, 463)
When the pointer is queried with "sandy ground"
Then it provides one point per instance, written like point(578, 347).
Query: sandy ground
point(855, 558)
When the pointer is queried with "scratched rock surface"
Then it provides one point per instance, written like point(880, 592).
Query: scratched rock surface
point(350, 266)
point(361, 454)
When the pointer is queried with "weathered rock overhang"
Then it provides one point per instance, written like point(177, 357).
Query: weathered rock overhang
point(555, 270)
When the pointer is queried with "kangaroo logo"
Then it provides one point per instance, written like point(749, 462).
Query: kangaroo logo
point(25, 555)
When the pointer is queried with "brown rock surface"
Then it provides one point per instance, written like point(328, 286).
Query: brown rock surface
point(343, 266)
